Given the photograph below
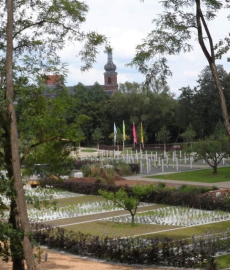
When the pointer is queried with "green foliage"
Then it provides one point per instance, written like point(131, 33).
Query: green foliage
point(163, 136)
point(189, 133)
point(212, 150)
point(86, 170)
point(173, 33)
point(97, 135)
point(123, 199)
point(90, 103)
point(103, 173)
point(122, 168)
point(136, 103)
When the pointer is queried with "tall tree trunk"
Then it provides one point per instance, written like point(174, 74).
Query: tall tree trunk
point(210, 56)
point(20, 196)
point(14, 219)
point(222, 98)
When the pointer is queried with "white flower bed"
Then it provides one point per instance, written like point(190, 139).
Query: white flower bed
point(70, 211)
point(73, 211)
point(44, 193)
point(177, 216)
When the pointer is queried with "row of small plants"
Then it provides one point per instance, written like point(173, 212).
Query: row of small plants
point(54, 212)
point(198, 252)
point(186, 197)
point(176, 216)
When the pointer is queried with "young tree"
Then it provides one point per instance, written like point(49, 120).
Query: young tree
point(123, 199)
point(163, 136)
point(97, 136)
point(189, 134)
point(213, 148)
point(172, 35)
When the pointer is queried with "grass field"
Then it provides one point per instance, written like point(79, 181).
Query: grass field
point(117, 229)
point(185, 233)
point(201, 176)
point(79, 200)
point(223, 261)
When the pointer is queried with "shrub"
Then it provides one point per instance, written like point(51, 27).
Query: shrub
point(164, 251)
point(86, 170)
point(122, 168)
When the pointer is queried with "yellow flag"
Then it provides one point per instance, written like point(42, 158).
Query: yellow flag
point(142, 134)
point(124, 136)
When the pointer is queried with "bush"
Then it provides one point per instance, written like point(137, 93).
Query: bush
point(86, 170)
point(164, 251)
point(171, 196)
point(122, 168)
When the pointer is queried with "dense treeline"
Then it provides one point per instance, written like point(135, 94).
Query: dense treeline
point(154, 106)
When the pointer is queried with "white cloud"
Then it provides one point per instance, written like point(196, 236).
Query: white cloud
point(126, 23)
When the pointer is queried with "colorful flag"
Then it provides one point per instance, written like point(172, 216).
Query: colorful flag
point(134, 134)
point(124, 137)
point(115, 133)
point(142, 134)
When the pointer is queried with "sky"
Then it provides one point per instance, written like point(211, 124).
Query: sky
point(126, 23)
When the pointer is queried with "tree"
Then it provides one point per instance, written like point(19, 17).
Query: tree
point(28, 49)
point(189, 134)
point(163, 136)
point(92, 103)
point(184, 114)
point(136, 103)
point(15, 172)
point(97, 136)
point(174, 30)
point(213, 148)
point(123, 199)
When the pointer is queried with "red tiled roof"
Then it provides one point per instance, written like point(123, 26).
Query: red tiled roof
point(52, 79)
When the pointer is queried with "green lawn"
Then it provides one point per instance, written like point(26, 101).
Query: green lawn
point(117, 229)
point(79, 200)
point(223, 261)
point(185, 233)
point(202, 176)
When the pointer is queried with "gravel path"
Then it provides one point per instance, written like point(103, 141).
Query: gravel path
point(60, 261)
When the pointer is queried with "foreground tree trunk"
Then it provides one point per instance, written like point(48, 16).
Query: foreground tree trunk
point(14, 220)
point(210, 56)
point(20, 196)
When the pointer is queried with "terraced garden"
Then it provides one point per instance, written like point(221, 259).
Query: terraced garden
point(95, 215)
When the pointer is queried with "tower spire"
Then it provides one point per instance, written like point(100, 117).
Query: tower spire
point(110, 75)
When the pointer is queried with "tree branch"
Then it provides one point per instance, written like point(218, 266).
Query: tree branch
point(27, 151)
point(200, 32)
point(209, 36)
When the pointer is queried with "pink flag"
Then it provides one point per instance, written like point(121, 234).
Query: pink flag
point(134, 134)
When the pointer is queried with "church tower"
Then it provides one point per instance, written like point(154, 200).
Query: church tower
point(110, 75)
